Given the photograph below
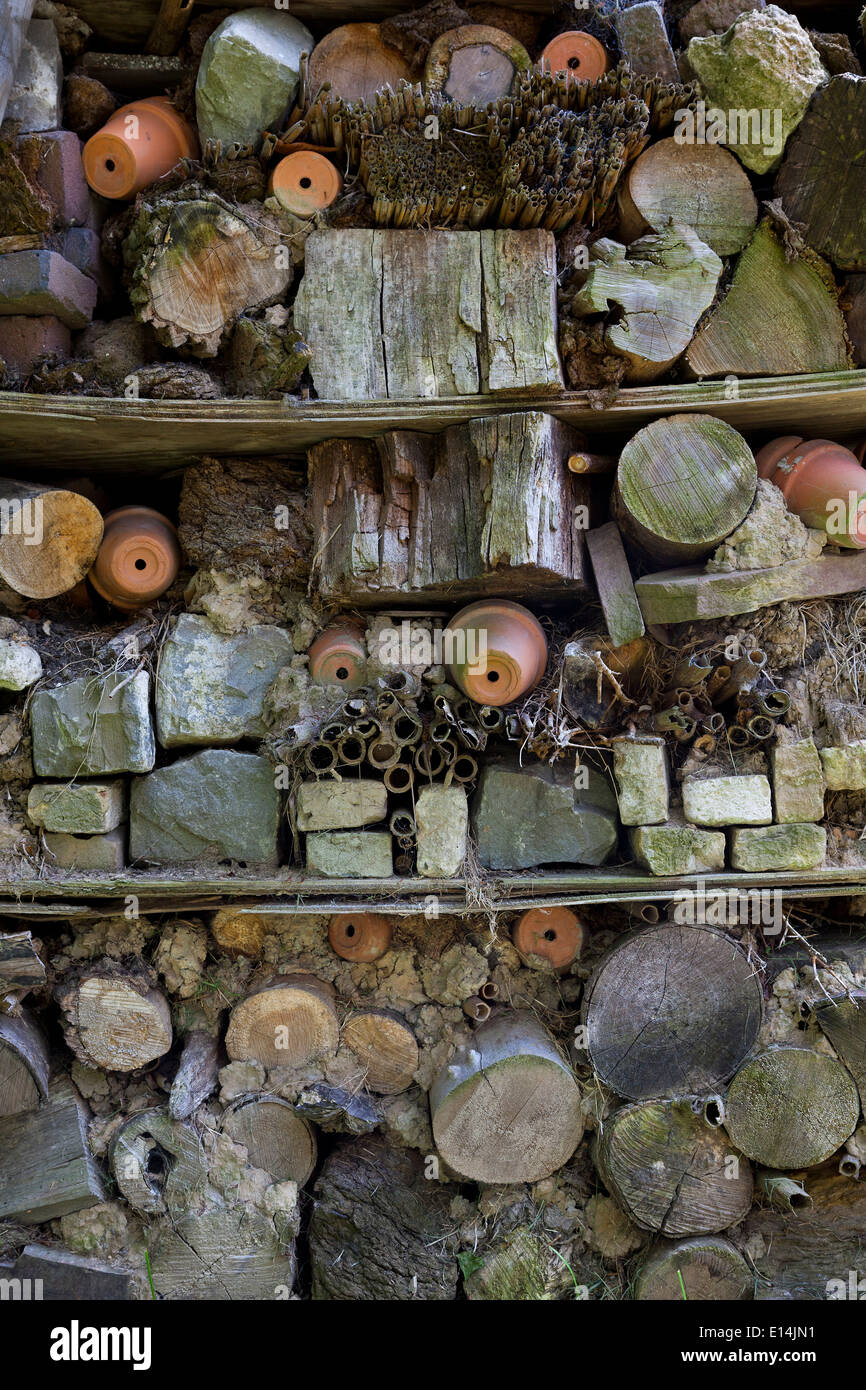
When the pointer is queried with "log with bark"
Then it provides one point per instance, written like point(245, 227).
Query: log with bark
point(24, 1065)
point(288, 1022)
point(819, 181)
point(114, 1018)
point(656, 290)
point(275, 1136)
point(791, 1108)
point(683, 484)
point(672, 1171)
point(380, 1228)
point(157, 1164)
point(701, 186)
point(196, 263)
point(808, 1255)
point(506, 1107)
point(386, 1048)
point(472, 511)
point(671, 1010)
point(703, 1269)
point(780, 316)
point(49, 538)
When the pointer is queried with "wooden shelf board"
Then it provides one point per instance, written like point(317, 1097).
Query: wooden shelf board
point(71, 433)
point(292, 892)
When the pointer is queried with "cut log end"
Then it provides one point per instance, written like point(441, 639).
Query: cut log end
point(700, 1270)
point(386, 1048)
point(116, 1023)
point(288, 1023)
point(791, 1108)
point(276, 1138)
point(49, 540)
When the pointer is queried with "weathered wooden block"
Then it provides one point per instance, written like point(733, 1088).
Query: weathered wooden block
point(46, 1169)
point(429, 314)
point(58, 1274)
point(476, 510)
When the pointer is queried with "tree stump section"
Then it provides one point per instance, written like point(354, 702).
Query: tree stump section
point(820, 181)
point(658, 288)
point(506, 1108)
point(474, 64)
point(386, 1048)
point(223, 1253)
point(452, 516)
point(49, 538)
point(791, 1108)
point(380, 1227)
point(778, 318)
point(197, 263)
point(24, 1064)
point(699, 1270)
point(46, 1169)
point(356, 63)
point(683, 483)
point(671, 1010)
point(672, 1171)
point(701, 186)
point(843, 1022)
point(157, 1164)
point(276, 1138)
point(114, 1020)
point(287, 1023)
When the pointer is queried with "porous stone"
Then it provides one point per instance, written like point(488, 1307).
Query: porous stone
point(329, 805)
point(798, 781)
point(727, 800)
point(777, 847)
point(87, 727)
point(641, 770)
point(349, 854)
point(523, 817)
point(442, 818)
point(769, 536)
point(714, 17)
point(43, 282)
point(78, 808)
point(248, 75)
point(764, 62)
point(845, 768)
point(95, 853)
point(20, 665)
point(212, 686)
point(34, 100)
point(643, 40)
point(215, 805)
point(676, 848)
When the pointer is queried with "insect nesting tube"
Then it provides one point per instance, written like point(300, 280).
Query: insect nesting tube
point(352, 750)
point(320, 757)
point(399, 778)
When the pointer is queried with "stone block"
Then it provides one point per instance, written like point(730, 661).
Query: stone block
point(78, 808)
point(442, 818)
point(676, 848)
point(845, 768)
point(34, 100)
point(350, 854)
point(211, 806)
point(775, 848)
point(727, 800)
point(798, 781)
point(347, 805)
point(25, 338)
point(82, 729)
point(527, 817)
point(641, 770)
point(43, 283)
point(87, 853)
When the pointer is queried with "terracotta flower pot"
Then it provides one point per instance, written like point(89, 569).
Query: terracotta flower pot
point(139, 144)
point(339, 657)
point(359, 936)
point(553, 933)
point(579, 55)
point(498, 651)
point(138, 560)
point(305, 182)
point(822, 483)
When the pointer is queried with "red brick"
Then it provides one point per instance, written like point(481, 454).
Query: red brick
point(54, 156)
point(23, 340)
point(42, 282)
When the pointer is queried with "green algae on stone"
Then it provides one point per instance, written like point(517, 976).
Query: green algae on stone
point(764, 64)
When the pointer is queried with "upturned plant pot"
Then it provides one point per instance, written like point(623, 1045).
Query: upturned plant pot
point(139, 144)
point(359, 936)
point(580, 56)
point(339, 656)
point(822, 483)
point(499, 650)
point(305, 182)
point(552, 934)
point(138, 560)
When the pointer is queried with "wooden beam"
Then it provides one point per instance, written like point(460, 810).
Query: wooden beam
point(62, 1275)
point(71, 433)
